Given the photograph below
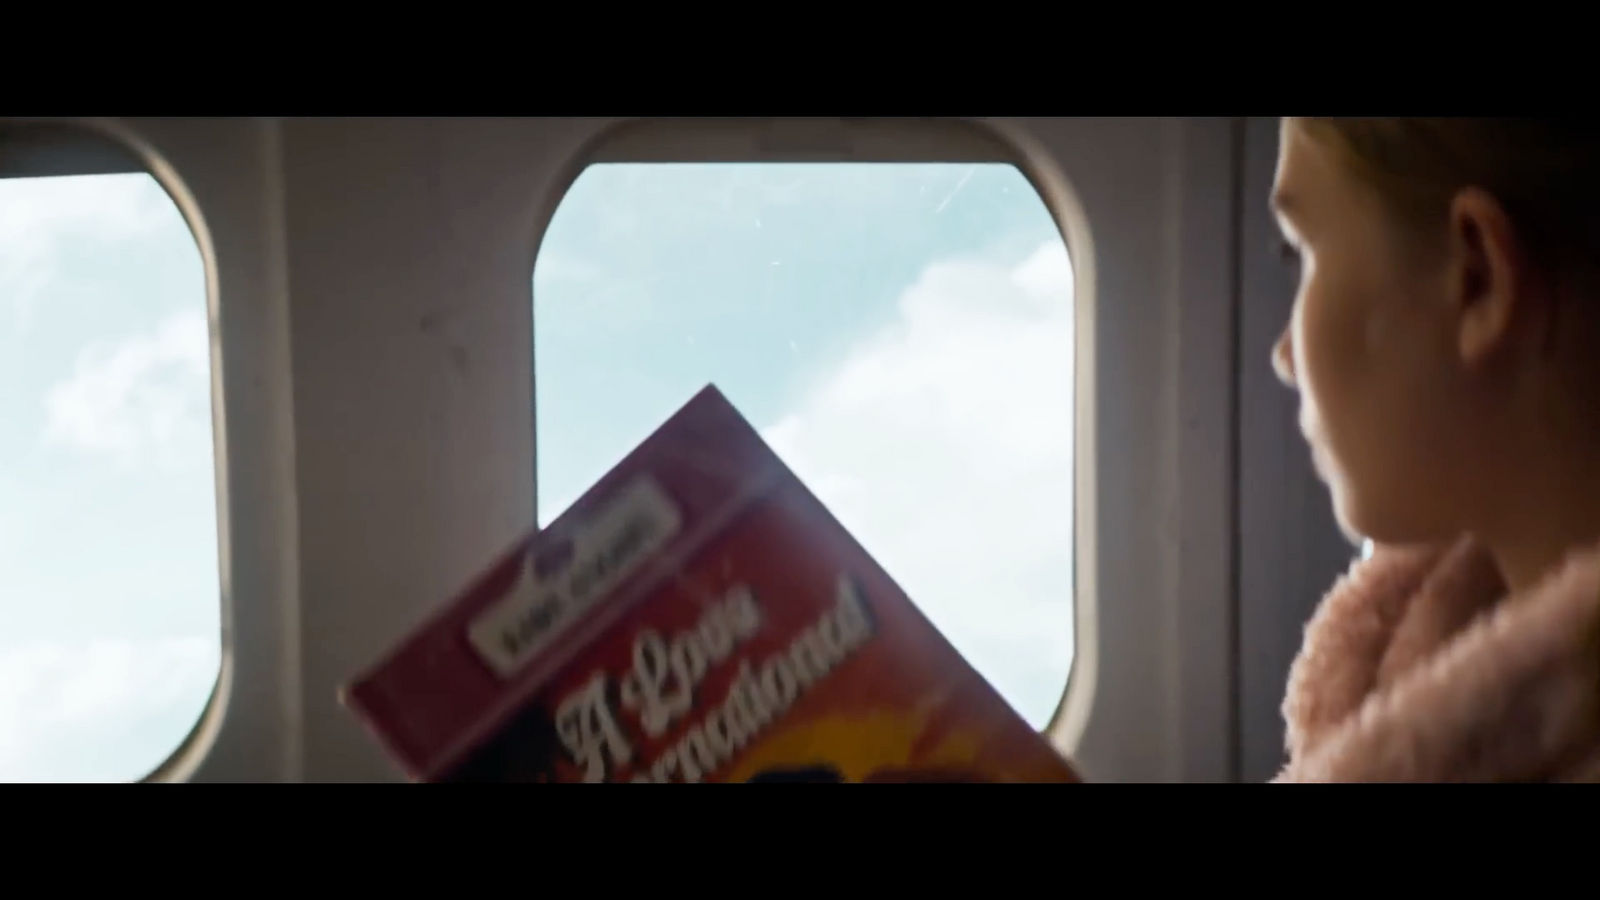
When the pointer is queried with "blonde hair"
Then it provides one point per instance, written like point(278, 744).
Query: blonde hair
point(1545, 173)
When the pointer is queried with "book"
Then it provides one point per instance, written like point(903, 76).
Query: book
point(697, 616)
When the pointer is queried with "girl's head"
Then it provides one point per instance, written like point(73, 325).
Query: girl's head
point(1445, 337)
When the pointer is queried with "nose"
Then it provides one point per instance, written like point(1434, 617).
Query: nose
point(1283, 359)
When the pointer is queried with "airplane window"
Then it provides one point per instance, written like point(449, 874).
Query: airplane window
point(109, 615)
point(901, 334)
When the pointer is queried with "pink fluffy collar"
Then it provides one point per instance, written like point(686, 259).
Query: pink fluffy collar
point(1417, 667)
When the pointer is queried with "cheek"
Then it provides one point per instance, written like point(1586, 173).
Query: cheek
point(1365, 401)
point(1333, 338)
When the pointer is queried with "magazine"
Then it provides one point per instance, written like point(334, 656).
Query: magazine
point(697, 616)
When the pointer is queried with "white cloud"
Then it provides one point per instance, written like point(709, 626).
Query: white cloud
point(555, 268)
point(944, 444)
point(147, 398)
point(38, 215)
point(103, 710)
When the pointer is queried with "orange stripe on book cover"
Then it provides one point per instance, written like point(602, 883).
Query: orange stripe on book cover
point(760, 643)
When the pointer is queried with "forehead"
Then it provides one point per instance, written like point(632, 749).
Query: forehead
point(1306, 177)
point(1285, 181)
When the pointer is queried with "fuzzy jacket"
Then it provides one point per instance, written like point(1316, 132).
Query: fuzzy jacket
point(1418, 668)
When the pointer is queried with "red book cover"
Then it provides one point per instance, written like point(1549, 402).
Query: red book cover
point(697, 616)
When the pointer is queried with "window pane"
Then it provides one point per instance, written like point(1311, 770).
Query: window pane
point(109, 603)
point(901, 334)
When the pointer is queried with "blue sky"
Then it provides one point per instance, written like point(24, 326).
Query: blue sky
point(902, 334)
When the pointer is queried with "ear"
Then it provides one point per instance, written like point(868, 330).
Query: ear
point(1487, 273)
